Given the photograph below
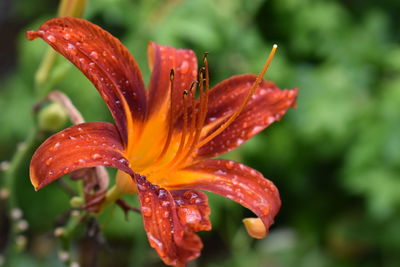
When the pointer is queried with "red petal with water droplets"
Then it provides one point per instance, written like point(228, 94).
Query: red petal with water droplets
point(104, 60)
point(235, 181)
point(170, 220)
point(162, 59)
point(80, 146)
point(268, 104)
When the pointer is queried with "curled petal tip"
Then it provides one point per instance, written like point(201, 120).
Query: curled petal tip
point(255, 227)
point(32, 35)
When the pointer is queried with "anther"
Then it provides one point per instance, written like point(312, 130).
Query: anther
point(254, 87)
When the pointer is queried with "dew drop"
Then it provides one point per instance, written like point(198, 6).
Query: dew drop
point(51, 38)
point(270, 120)
point(220, 172)
point(94, 55)
point(72, 49)
point(57, 145)
point(96, 156)
point(141, 187)
point(162, 193)
point(184, 67)
point(81, 161)
point(146, 211)
point(67, 36)
point(166, 214)
point(229, 164)
point(48, 161)
point(146, 199)
point(239, 141)
point(123, 161)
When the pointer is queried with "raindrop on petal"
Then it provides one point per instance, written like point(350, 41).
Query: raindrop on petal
point(146, 211)
point(96, 156)
point(51, 38)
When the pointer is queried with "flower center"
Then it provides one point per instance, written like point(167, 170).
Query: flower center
point(174, 148)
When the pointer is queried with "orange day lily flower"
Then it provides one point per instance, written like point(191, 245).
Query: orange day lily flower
point(164, 137)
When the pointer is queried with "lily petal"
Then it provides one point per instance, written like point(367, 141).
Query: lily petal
point(268, 104)
point(170, 220)
point(161, 60)
point(80, 146)
point(235, 181)
point(104, 60)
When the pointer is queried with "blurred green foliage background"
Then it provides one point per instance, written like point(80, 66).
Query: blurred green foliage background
point(335, 159)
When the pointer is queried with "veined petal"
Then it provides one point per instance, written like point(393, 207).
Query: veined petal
point(268, 104)
point(104, 60)
point(170, 220)
point(235, 181)
point(80, 146)
point(161, 60)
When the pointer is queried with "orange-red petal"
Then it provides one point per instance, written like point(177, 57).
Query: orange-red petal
point(161, 60)
point(104, 60)
point(234, 181)
point(170, 220)
point(80, 146)
point(268, 104)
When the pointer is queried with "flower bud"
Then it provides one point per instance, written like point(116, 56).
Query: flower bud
point(4, 193)
point(59, 231)
point(20, 242)
point(255, 227)
point(16, 214)
point(76, 202)
point(22, 225)
point(52, 118)
point(63, 255)
point(71, 8)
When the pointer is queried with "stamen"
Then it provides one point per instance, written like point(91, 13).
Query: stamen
point(171, 115)
point(244, 103)
point(185, 134)
point(202, 114)
point(185, 122)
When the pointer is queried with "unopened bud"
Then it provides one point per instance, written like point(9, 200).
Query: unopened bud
point(4, 165)
point(16, 214)
point(22, 225)
point(59, 231)
point(21, 242)
point(63, 255)
point(76, 202)
point(255, 227)
point(4, 193)
point(75, 213)
point(52, 118)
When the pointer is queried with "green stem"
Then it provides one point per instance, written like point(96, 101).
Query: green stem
point(10, 178)
point(112, 195)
